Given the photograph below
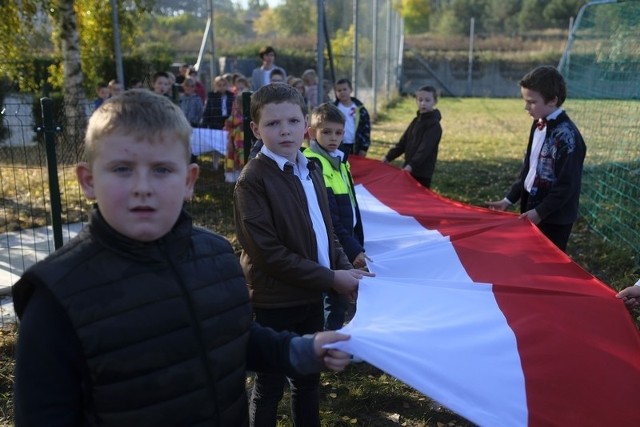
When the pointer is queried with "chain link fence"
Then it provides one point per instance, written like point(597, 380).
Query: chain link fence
point(602, 68)
point(367, 48)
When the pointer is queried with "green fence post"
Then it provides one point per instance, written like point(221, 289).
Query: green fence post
point(50, 130)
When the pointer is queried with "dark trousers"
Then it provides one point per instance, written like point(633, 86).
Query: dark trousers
point(335, 310)
point(557, 233)
point(268, 388)
point(424, 180)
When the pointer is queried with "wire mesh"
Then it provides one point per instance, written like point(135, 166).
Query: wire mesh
point(367, 46)
point(25, 208)
point(602, 69)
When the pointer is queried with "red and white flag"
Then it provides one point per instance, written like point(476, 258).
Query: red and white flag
point(479, 311)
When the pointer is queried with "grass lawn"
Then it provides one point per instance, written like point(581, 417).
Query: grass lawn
point(480, 155)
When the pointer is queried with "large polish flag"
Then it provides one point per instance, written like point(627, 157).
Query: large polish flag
point(479, 311)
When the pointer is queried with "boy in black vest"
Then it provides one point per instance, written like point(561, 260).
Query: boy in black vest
point(144, 319)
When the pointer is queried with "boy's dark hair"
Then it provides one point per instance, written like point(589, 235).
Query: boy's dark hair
point(102, 85)
point(277, 71)
point(547, 81)
point(429, 89)
point(242, 79)
point(236, 76)
point(264, 50)
point(275, 93)
point(326, 113)
point(159, 74)
point(344, 81)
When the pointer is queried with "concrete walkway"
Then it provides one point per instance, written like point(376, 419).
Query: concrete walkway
point(18, 251)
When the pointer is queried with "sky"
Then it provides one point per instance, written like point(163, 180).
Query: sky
point(272, 3)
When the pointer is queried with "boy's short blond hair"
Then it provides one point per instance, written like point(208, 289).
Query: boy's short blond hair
point(326, 113)
point(220, 79)
point(293, 81)
point(140, 113)
point(275, 93)
point(308, 75)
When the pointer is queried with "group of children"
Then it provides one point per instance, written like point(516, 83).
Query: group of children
point(548, 186)
point(307, 83)
point(222, 109)
point(145, 319)
point(295, 213)
point(141, 260)
point(105, 91)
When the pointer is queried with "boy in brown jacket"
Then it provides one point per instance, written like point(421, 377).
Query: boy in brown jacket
point(290, 254)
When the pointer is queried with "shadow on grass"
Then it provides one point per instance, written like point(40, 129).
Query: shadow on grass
point(365, 396)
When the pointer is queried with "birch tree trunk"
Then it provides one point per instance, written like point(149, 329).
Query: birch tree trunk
point(74, 96)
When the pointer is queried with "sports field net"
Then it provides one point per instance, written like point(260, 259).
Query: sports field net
point(602, 67)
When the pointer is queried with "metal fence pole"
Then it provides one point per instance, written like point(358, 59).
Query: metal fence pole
point(117, 46)
point(354, 63)
point(374, 58)
point(50, 131)
point(246, 124)
point(470, 67)
point(320, 50)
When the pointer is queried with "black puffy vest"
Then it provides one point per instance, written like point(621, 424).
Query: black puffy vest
point(163, 326)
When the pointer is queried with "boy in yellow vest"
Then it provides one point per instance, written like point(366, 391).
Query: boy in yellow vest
point(326, 131)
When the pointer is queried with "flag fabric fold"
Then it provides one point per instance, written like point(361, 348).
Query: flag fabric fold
point(479, 311)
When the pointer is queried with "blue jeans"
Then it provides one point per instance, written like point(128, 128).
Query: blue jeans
point(335, 310)
point(268, 388)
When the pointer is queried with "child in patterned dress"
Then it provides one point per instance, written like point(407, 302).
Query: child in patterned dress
point(234, 124)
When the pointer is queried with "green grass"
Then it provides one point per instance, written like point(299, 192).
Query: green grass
point(480, 155)
point(7, 346)
point(481, 149)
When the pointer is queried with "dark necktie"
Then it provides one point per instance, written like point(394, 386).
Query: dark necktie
point(542, 123)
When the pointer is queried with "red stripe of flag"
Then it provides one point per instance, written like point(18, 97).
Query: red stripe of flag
point(579, 347)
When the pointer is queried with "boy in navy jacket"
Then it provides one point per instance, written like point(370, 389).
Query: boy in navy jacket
point(551, 176)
